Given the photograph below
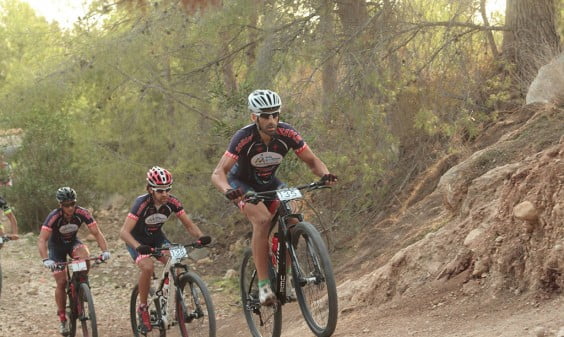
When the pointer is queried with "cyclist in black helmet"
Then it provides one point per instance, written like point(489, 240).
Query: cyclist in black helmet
point(58, 238)
point(250, 163)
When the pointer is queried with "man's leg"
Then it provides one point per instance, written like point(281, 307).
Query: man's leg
point(260, 218)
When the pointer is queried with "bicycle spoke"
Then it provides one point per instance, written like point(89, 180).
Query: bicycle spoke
point(315, 283)
point(263, 321)
point(85, 312)
point(158, 329)
point(195, 311)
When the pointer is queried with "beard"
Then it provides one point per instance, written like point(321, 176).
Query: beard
point(269, 129)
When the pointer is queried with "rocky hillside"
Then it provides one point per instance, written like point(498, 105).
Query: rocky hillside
point(479, 254)
point(493, 226)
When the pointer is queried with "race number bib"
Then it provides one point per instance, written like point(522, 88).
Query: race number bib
point(289, 194)
point(177, 252)
point(78, 266)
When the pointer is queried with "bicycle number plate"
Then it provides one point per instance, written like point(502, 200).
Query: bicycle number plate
point(177, 252)
point(78, 266)
point(1, 240)
point(289, 194)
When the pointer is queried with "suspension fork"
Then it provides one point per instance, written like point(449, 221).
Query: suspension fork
point(288, 240)
point(281, 277)
point(177, 271)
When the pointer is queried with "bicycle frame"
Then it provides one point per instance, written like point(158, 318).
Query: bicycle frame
point(173, 269)
point(281, 217)
point(313, 278)
point(283, 214)
point(75, 280)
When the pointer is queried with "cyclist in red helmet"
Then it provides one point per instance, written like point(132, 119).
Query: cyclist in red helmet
point(142, 230)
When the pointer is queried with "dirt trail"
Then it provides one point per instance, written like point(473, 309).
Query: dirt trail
point(27, 306)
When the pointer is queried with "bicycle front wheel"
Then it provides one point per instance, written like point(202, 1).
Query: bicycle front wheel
point(263, 321)
point(314, 280)
point(196, 317)
point(158, 328)
point(84, 313)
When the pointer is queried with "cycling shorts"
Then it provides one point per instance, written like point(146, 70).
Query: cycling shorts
point(59, 253)
point(272, 205)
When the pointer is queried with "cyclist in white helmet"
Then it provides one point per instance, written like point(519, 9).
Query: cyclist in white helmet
point(250, 163)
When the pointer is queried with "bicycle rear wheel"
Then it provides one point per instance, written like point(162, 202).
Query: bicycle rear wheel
point(196, 318)
point(263, 321)
point(84, 313)
point(154, 310)
point(314, 280)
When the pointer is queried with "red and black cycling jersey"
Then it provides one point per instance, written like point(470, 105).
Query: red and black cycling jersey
point(257, 162)
point(64, 230)
point(149, 219)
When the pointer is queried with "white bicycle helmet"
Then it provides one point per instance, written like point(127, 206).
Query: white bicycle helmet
point(264, 101)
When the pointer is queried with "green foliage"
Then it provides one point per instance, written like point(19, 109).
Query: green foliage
point(45, 163)
point(106, 101)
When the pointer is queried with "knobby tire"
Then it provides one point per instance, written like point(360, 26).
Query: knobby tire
point(199, 318)
point(262, 321)
point(87, 318)
point(153, 307)
point(71, 312)
point(317, 299)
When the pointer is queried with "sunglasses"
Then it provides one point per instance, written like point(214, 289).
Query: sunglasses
point(161, 190)
point(68, 204)
point(266, 115)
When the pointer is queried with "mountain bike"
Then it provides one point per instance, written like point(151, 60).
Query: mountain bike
point(80, 304)
point(3, 239)
point(299, 243)
point(178, 297)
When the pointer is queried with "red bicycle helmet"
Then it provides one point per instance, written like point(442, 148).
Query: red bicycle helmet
point(159, 177)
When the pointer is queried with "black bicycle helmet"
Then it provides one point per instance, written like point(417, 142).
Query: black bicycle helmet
point(66, 194)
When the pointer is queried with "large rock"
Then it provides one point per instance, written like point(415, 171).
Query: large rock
point(548, 86)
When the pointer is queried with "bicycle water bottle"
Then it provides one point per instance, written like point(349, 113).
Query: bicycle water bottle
point(165, 287)
point(275, 249)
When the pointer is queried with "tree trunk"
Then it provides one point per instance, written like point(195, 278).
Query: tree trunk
point(329, 68)
point(229, 78)
point(532, 40)
point(353, 15)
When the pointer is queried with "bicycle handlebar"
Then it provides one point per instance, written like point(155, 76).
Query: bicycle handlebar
point(201, 243)
point(96, 259)
point(61, 265)
point(255, 197)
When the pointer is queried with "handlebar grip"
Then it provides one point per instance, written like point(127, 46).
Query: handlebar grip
point(204, 240)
